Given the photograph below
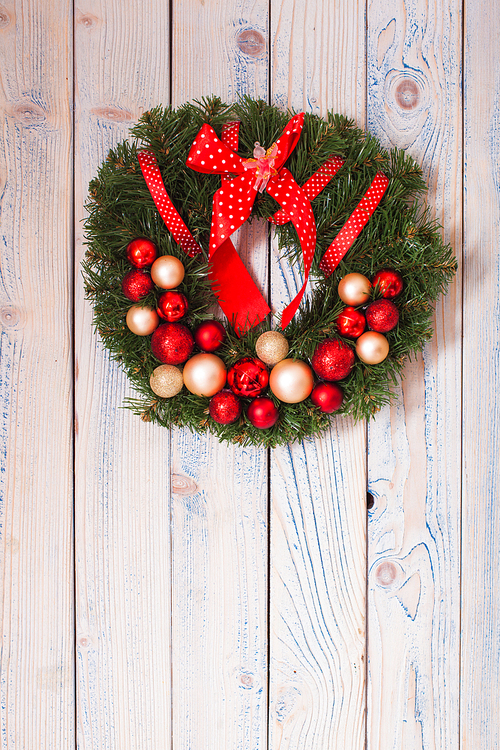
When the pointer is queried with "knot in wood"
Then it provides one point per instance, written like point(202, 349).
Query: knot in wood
point(407, 93)
point(251, 42)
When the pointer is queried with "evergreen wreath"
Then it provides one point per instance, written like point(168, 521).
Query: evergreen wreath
point(399, 237)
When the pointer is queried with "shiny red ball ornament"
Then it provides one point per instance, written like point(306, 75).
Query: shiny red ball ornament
point(333, 360)
point(248, 377)
point(136, 284)
point(382, 315)
point(389, 282)
point(141, 252)
point(172, 306)
point(327, 396)
point(210, 335)
point(351, 323)
point(262, 413)
point(172, 343)
point(225, 407)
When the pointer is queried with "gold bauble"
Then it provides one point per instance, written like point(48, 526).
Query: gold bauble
point(354, 289)
point(204, 374)
point(167, 272)
point(166, 381)
point(372, 347)
point(142, 320)
point(291, 381)
point(271, 347)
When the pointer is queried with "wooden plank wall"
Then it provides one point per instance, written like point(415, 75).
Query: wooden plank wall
point(224, 596)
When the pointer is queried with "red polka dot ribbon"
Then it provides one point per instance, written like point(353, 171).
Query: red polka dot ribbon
point(168, 212)
point(232, 205)
point(354, 224)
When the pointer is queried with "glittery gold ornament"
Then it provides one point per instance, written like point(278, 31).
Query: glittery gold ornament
point(166, 381)
point(271, 347)
point(372, 347)
point(291, 381)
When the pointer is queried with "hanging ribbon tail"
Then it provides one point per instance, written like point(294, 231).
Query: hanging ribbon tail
point(354, 224)
point(236, 292)
point(166, 208)
point(297, 206)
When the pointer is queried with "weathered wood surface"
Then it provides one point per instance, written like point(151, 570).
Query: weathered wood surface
point(210, 614)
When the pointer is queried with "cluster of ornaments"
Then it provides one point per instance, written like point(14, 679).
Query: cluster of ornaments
point(290, 381)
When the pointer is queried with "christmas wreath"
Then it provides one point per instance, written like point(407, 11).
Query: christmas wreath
point(161, 214)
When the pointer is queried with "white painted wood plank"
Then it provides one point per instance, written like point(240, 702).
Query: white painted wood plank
point(318, 550)
point(414, 102)
point(122, 464)
point(219, 518)
point(36, 171)
point(481, 414)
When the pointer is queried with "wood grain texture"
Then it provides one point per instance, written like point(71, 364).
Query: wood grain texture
point(219, 523)
point(122, 464)
point(318, 519)
point(481, 413)
point(36, 520)
point(414, 102)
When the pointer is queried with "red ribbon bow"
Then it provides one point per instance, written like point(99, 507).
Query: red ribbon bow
point(238, 295)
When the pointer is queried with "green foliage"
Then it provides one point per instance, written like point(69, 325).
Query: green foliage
point(399, 235)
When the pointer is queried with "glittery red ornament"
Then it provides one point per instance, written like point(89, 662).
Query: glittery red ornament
point(141, 252)
point(136, 284)
point(210, 335)
point(248, 377)
point(172, 306)
point(333, 360)
point(382, 315)
point(224, 407)
point(390, 283)
point(172, 343)
point(328, 396)
point(351, 323)
point(262, 413)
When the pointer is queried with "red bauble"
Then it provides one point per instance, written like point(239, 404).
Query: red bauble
point(328, 396)
point(262, 413)
point(333, 360)
point(390, 283)
point(210, 335)
point(224, 407)
point(172, 306)
point(172, 343)
point(382, 315)
point(248, 377)
point(351, 323)
point(141, 252)
point(136, 284)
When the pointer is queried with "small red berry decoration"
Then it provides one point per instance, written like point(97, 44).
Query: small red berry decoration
point(172, 343)
point(210, 335)
point(333, 360)
point(351, 323)
point(172, 306)
point(328, 396)
point(248, 377)
point(136, 284)
point(382, 315)
point(262, 413)
point(225, 407)
point(141, 252)
point(390, 283)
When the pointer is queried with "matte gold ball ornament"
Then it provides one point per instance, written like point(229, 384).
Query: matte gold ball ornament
point(354, 289)
point(204, 374)
point(167, 272)
point(166, 381)
point(291, 381)
point(142, 320)
point(372, 348)
point(271, 347)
